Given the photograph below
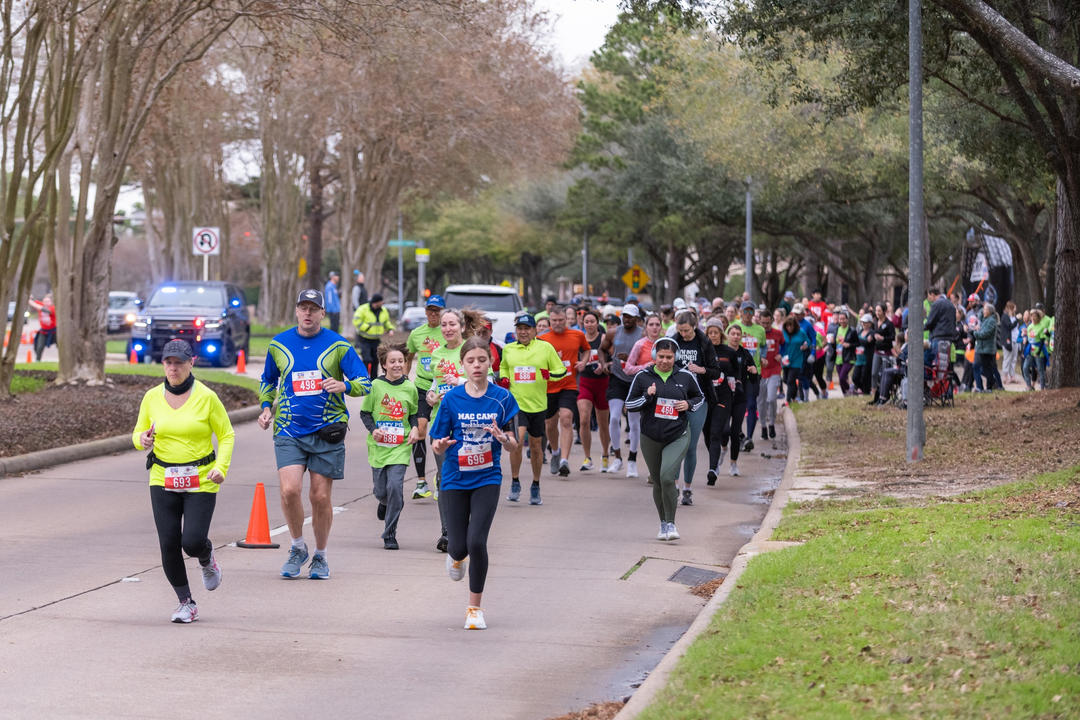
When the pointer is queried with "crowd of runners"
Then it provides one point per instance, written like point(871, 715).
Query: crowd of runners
point(650, 383)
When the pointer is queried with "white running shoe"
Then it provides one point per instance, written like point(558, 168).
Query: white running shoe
point(631, 468)
point(615, 466)
point(456, 568)
point(672, 533)
point(556, 456)
point(211, 573)
point(663, 534)
point(474, 618)
point(186, 613)
point(734, 470)
point(587, 464)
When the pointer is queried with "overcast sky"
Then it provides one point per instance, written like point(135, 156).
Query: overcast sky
point(580, 26)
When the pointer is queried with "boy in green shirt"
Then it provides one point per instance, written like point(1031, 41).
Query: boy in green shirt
point(387, 411)
point(423, 341)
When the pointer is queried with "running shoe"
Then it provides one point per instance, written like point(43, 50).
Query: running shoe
point(534, 495)
point(421, 491)
point(380, 512)
point(604, 464)
point(456, 568)
point(748, 446)
point(474, 618)
point(319, 569)
point(772, 432)
point(577, 439)
point(556, 456)
point(687, 497)
point(440, 544)
point(734, 469)
point(764, 433)
point(297, 557)
point(711, 477)
point(515, 491)
point(211, 573)
point(672, 532)
point(615, 466)
point(564, 468)
point(723, 452)
point(587, 464)
point(631, 468)
point(390, 543)
point(662, 535)
point(186, 612)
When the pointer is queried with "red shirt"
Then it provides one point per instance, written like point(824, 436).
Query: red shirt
point(568, 345)
point(771, 364)
point(46, 314)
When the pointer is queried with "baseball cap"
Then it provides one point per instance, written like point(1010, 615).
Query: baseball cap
point(973, 298)
point(867, 317)
point(377, 297)
point(631, 297)
point(798, 308)
point(679, 304)
point(631, 310)
point(177, 348)
point(435, 301)
point(311, 296)
point(747, 305)
point(789, 295)
point(525, 319)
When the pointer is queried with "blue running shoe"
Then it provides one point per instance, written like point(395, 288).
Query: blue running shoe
point(319, 569)
point(534, 495)
point(297, 557)
point(515, 491)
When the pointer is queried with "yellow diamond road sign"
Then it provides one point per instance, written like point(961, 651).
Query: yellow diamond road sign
point(635, 279)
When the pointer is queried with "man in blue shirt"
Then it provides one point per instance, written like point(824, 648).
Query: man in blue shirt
point(308, 370)
point(333, 301)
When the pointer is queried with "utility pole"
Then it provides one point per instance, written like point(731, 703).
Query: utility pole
point(585, 263)
point(749, 243)
point(420, 268)
point(917, 241)
point(400, 270)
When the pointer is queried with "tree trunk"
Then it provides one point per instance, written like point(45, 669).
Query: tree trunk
point(1065, 361)
point(316, 183)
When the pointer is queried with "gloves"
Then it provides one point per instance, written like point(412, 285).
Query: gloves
point(503, 383)
point(546, 374)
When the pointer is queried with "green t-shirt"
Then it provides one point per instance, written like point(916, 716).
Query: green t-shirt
point(663, 375)
point(445, 365)
point(391, 405)
point(422, 341)
point(522, 365)
point(753, 340)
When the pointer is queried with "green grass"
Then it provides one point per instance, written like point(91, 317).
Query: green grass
point(258, 345)
point(958, 608)
point(24, 384)
point(267, 330)
point(207, 374)
point(116, 346)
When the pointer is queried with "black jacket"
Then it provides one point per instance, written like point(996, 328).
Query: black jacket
point(941, 320)
point(680, 385)
point(888, 333)
point(732, 363)
point(698, 351)
point(846, 355)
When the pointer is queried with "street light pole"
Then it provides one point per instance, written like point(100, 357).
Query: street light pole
point(917, 250)
point(400, 270)
point(749, 244)
point(585, 264)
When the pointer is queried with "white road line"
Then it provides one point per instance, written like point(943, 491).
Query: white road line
point(307, 521)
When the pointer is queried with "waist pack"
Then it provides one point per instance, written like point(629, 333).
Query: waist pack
point(334, 433)
point(152, 460)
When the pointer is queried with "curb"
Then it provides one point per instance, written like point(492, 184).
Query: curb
point(759, 543)
point(95, 448)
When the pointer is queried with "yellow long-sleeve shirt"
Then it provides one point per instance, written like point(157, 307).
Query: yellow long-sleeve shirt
point(184, 434)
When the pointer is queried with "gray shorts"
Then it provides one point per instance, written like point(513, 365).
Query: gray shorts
point(311, 451)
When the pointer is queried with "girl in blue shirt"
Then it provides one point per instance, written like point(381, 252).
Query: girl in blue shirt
point(474, 422)
point(792, 353)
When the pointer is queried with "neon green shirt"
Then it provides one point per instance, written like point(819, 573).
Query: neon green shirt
point(522, 365)
point(422, 341)
point(183, 435)
point(753, 340)
point(391, 405)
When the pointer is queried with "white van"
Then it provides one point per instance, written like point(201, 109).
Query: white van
point(501, 304)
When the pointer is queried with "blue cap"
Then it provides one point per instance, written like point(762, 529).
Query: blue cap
point(435, 301)
point(747, 305)
point(631, 297)
point(509, 338)
point(525, 319)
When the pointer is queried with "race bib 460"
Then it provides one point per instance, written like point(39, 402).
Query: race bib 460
point(665, 409)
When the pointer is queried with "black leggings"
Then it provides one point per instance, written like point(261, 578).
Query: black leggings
point(726, 425)
point(195, 511)
point(468, 519)
point(792, 378)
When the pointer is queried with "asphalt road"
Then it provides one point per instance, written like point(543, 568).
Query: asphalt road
point(84, 605)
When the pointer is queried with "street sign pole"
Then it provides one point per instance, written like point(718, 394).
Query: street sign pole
point(420, 277)
point(205, 268)
point(749, 243)
point(400, 270)
point(916, 423)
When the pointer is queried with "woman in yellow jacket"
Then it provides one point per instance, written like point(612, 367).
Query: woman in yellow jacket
point(175, 423)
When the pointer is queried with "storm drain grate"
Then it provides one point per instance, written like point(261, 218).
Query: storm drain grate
point(692, 576)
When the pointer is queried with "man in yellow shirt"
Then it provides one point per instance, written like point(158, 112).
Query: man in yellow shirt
point(372, 322)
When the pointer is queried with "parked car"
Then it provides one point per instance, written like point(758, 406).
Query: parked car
point(212, 316)
point(123, 308)
point(412, 318)
point(11, 312)
point(501, 304)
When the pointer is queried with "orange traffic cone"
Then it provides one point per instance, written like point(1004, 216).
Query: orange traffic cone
point(832, 385)
point(133, 358)
point(241, 363)
point(258, 532)
point(29, 356)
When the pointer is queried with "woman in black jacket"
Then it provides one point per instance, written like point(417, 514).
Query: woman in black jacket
point(884, 339)
point(665, 397)
point(729, 402)
point(695, 355)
